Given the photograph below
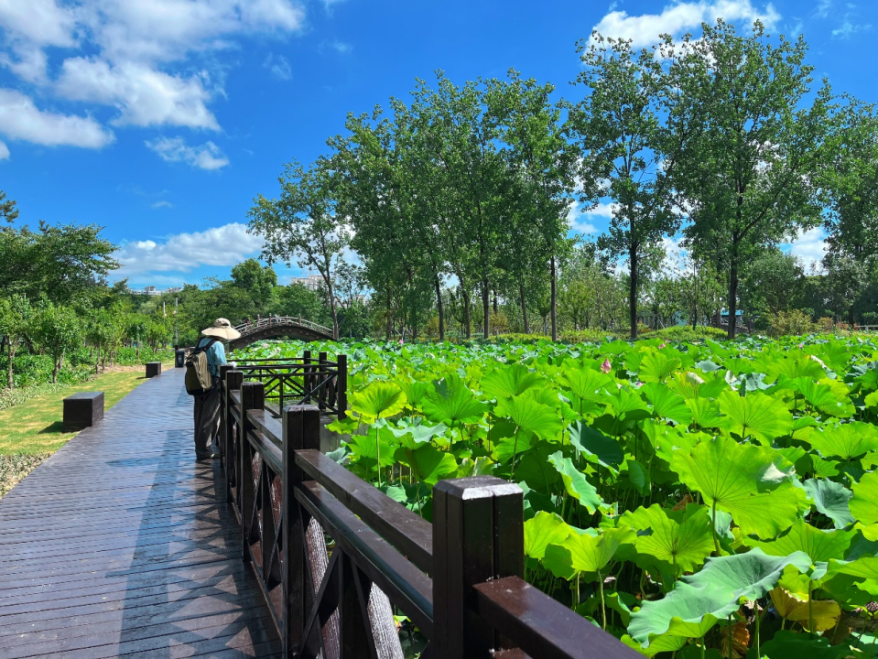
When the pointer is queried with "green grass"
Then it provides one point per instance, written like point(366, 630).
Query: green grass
point(34, 427)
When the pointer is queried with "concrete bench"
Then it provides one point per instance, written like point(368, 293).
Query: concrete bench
point(153, 369)
point(82, 410)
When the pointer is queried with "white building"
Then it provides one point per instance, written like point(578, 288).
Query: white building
point(311, 282)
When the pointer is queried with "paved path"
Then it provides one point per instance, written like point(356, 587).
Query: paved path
point(122, 545)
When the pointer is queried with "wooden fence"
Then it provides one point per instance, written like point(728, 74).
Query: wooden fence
point(301, 380)
point(336, 558)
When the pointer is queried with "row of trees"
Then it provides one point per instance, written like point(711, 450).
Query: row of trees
point(723, 139)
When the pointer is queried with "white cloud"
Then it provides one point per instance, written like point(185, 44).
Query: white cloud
point(809, 246)
point(144, 96)
point(679, 17)
point(162, 204)
point(279, 66)
point(577, 220)
point(20, 119)
point(175, 149)
point(135, 55)
point(850, 27)
point(823, 8)
point(221, 246)
point(341, 47)
point(4, 151)
point(329, 4)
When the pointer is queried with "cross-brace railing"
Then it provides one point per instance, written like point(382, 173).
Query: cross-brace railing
point(336, 558)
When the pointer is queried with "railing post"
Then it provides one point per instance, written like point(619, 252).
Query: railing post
point(233, 381)
point(301, 430)
point(306, 377)
point(252, 398)
point(478, 535)
point(342, 386)
point(324, 375)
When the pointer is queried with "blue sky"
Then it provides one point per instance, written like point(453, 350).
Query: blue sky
point(162, 119)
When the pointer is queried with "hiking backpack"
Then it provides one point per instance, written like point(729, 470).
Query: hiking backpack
point(198, 377)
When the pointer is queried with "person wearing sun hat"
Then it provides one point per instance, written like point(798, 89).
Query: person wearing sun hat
point(207, 405)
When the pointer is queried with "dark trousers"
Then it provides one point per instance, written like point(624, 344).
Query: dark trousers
point(207, 421)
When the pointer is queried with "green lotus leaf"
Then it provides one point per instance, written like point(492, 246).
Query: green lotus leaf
point(588, 387)
point(621, 603)
point(531, 416)
point(821, 546)
point(365, 448)
point(413, 432)
point(864, 503)
point(831, 499)
point(664, 643)
point(429, 464)
point(679, 540)
point(542, 530)
point(731, 475)
point(657, 367)
point(415, 391)
point(638, 477)
point(595, 445)
point(789, 645)
point(795, 367)
point(822, 398)
point(377, 400)
point(666, 404)
point(707, 366)
point(575, 482)
point(626, 405)
point(592, 553)
point(705, 413)
point(536, 469)
point(452, 403)
point(846, 441)
point(756, 414)
point(509, 381)
point(700, 600)
point(507, 447)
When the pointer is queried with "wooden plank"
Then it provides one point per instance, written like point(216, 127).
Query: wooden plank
point(121, 544)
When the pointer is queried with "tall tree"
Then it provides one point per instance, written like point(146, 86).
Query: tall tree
point(15, 317)
point(747, 168)
point(542, 168)
point(303, 225)
point(625, 151)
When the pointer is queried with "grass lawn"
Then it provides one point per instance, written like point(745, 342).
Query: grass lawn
point(34, 426)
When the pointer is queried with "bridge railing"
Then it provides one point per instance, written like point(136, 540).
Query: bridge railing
point(275, 321)
point(301, 380)
point(336, 558)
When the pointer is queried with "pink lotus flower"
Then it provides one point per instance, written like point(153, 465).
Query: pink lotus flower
point(606, 367)
point(663, 345)
point(801, 345)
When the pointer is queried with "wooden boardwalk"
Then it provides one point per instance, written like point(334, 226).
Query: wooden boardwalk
point(122, 545)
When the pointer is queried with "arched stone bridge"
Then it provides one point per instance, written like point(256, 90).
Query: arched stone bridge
point(278, 326)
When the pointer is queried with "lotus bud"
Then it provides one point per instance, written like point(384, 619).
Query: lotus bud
point(606, 367)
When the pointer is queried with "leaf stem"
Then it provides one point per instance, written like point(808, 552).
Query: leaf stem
point(713, 527)
point(603, 602)
point(514, 453)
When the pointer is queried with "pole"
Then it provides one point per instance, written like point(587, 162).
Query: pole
point(176, 330)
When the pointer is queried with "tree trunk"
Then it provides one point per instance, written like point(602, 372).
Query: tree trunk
point(55, 371)
point(389, 316)
point(733, 299)
point(486, 309)
point(523, 307)
point(632, 291)
point(467, 321)
point(11, 352)
point(554, 300)
point(441, 310)
point(496, 304)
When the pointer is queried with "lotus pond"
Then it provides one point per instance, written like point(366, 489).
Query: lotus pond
point(696, 499)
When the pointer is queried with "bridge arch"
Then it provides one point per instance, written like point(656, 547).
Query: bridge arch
point(275, 327)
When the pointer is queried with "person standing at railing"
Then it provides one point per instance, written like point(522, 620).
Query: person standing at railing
point(207, 405)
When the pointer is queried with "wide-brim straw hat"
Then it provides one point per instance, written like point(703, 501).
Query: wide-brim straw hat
point(222, 329)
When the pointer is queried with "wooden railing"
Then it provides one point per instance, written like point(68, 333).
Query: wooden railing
point(301, 380)
point(336, 558)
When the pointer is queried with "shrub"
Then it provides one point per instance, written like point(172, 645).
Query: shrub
point(786, 323)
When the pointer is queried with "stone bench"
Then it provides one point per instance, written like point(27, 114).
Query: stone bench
point(83, 410)
point(153, 369)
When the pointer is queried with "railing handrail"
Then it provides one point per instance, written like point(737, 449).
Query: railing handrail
point(470, 558)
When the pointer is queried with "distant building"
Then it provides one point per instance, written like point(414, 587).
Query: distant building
point(311, 282)
point(151, 290)
point(174, 289)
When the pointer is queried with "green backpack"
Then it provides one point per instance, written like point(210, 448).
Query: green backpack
point(198, 377)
